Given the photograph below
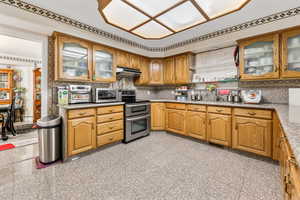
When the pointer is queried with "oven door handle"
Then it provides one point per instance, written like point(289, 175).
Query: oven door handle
point(137, 118)
point(137, 105)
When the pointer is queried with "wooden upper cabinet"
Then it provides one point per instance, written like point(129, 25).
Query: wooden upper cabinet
point(252, 135)
point(169, 70)
point(6, 85)
point(104, 65)
point(156, 72)
point(290, 55)
point(175, 121)
point(73, 59)
point(144, 78)
point(196, 125)
point(157, 116)
point(182, 69)
point(123, 59)
point(219, 129)
point(81, 135)
point(135, 61)
point(259, 57)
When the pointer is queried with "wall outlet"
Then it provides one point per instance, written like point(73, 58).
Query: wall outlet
point(148, 92)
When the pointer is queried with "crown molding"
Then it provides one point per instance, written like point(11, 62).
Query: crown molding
point(66, 20)
point(11, 58)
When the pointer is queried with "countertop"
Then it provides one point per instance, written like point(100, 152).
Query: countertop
point(88, 105)
point(289, 117)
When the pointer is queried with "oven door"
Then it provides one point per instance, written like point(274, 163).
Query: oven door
point(137, 109)
point(137, 127)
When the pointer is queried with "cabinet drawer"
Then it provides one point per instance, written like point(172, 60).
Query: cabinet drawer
point(109, 117)
point(217, 109)
point(109, 110)
point(177, 106)
point(196, 108)
point(81, 113)
point(110, 138)
point(266, 114)
point(109, 127)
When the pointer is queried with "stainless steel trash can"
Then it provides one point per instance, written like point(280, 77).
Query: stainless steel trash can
point(49, 135)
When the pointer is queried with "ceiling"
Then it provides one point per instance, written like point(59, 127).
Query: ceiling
point(13, 46)
point(158, 19)
point(90, 15)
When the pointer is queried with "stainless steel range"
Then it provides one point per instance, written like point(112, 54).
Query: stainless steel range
point(137, 116)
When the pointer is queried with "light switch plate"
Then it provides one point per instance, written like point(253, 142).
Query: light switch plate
point(294, 96)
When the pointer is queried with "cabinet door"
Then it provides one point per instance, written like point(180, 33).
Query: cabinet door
point(123, 59)
point(74, 60)
point(196, 125)
point(104, 68)
point(291, 54)
point(182, 69)
point(157, 116)
point(169, 71)
point(175, 121)
point(259, 58)
point(156, 72)
point(276, 137)
point(81, 135)
point(219, 129)
point(252, 135)
point(143, 79)
point(293, 187)
point(135, 61)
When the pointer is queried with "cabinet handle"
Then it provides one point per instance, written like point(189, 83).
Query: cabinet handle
point(286, 66)
point(276, 68)
point(82, 113)
point(293, 162)
point(218, 110)
point(251, 113)
point(111, 138)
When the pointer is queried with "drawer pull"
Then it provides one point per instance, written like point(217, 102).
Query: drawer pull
point(111, 138)
point(219, 110)
point(82, 113)
point(251, 113)
point(293, 161)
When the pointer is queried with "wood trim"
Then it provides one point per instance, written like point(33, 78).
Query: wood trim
point(203, 13)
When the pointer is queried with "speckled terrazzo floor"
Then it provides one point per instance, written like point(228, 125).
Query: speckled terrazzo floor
point(161, 166)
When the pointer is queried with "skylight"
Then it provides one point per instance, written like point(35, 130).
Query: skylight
point(156, 19)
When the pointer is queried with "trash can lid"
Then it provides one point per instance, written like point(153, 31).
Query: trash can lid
point(49, 120)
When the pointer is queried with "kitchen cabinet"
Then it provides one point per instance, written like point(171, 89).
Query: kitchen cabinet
point(104, 65)
point(156, 72)
point(6, 86)
point(135, 61)
point(81, 135)
point(73, 58)
point(290, 54)
point(196, 125)
point(123, 59)
point(276, 137)
point(175, 121)
point(252, 135)
point(219, 129)
point(36, 94)
point(259, 57)
point(157, 116)
point(169, 70)
point(144, 78)
point(182, 69)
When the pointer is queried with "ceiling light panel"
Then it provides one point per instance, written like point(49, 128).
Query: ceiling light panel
point(123, 15)
point(182, 17)
point(152, 30)
point(215, 8)
point(153, 7)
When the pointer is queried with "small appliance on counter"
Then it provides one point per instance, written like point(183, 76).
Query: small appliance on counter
point(62, 95)
point(80, 94)
point(251, 96)
point(104, 95)
point(181, 93)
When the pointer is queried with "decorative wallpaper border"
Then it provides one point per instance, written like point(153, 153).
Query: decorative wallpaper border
point(19, 59)
point(52, 15)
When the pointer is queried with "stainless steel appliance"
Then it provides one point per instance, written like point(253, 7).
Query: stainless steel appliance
point(80, 94)
point(251, 96)
point(137, 116)
point(103, 95)
point(127, 72)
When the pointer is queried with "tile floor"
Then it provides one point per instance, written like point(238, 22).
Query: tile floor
point(161, 167)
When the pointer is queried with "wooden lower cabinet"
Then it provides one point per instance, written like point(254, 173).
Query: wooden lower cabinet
point(157, 116)
point(175, 121)
point(196, 125)
point(252, 135)
point(219, 129)
point(81, 135)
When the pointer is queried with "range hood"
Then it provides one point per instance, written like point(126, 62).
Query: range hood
point(127, 72)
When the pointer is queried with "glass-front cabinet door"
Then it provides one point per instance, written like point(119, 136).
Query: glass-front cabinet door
point(259, 58)
point(291, 54)
point(104, 68)
point(74, 59)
